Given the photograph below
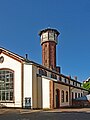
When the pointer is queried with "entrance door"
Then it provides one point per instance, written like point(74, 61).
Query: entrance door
point(57, 98)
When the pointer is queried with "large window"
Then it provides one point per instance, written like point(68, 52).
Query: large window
point(66, 96)
point(6, 85)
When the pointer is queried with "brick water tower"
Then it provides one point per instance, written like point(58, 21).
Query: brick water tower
point(49, 40)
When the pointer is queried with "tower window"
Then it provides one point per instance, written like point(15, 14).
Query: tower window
point(6, 85)
point(45, 61)
point(45, 45)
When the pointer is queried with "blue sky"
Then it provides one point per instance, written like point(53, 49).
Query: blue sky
point(21, 20)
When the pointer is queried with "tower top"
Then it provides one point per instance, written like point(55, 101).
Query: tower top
point(49, 35)
point(48, 29)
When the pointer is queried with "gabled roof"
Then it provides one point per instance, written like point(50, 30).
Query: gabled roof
point(11, 54)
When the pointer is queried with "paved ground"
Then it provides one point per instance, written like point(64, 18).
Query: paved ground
point(56, 114)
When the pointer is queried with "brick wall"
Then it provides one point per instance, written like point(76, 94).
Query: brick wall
point(49, 54)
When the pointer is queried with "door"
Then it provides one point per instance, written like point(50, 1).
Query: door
point(57, 98)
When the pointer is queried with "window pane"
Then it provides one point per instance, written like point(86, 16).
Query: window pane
point(7, 79)
point(3, 86)
point(11, 95)
point(7, 96)
point(3, 95)
point(7, 86)
point(11, 85)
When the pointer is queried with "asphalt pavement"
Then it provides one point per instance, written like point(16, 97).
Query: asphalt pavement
point(55, 114)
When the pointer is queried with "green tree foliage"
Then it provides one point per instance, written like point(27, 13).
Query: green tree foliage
point(86, 85)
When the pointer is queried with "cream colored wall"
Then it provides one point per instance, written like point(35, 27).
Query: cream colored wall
point(37, 89)
point(78, 84)
point(27, 83)
point(64, 88)
point(75, 90)
point(85, 92)
point(45, 93)
point(40, 90)
point(71, 82)
point(16, 67)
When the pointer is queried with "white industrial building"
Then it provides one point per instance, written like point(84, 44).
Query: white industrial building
point(24, 83)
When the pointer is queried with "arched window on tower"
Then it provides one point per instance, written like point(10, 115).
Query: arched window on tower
point(6, 85)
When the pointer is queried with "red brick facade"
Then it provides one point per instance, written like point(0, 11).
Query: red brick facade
point(49, 54)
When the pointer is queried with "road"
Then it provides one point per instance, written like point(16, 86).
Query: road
point(71, 114)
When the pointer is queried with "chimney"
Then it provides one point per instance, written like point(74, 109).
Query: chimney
point(75, 77)
point(58, 69)
point(69, 76)
point(26, 56)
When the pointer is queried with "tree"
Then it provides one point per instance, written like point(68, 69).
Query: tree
point(86, 85)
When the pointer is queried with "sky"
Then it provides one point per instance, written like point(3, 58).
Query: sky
point(21, 21)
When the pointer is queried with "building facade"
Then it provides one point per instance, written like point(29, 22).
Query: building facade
point(26, 84)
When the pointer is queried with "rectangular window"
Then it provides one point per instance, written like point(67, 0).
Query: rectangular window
point(81, 94)
point(62, 96)
point(66, 96)
point(78, 95)
point(75, 95)
point(72, 95)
